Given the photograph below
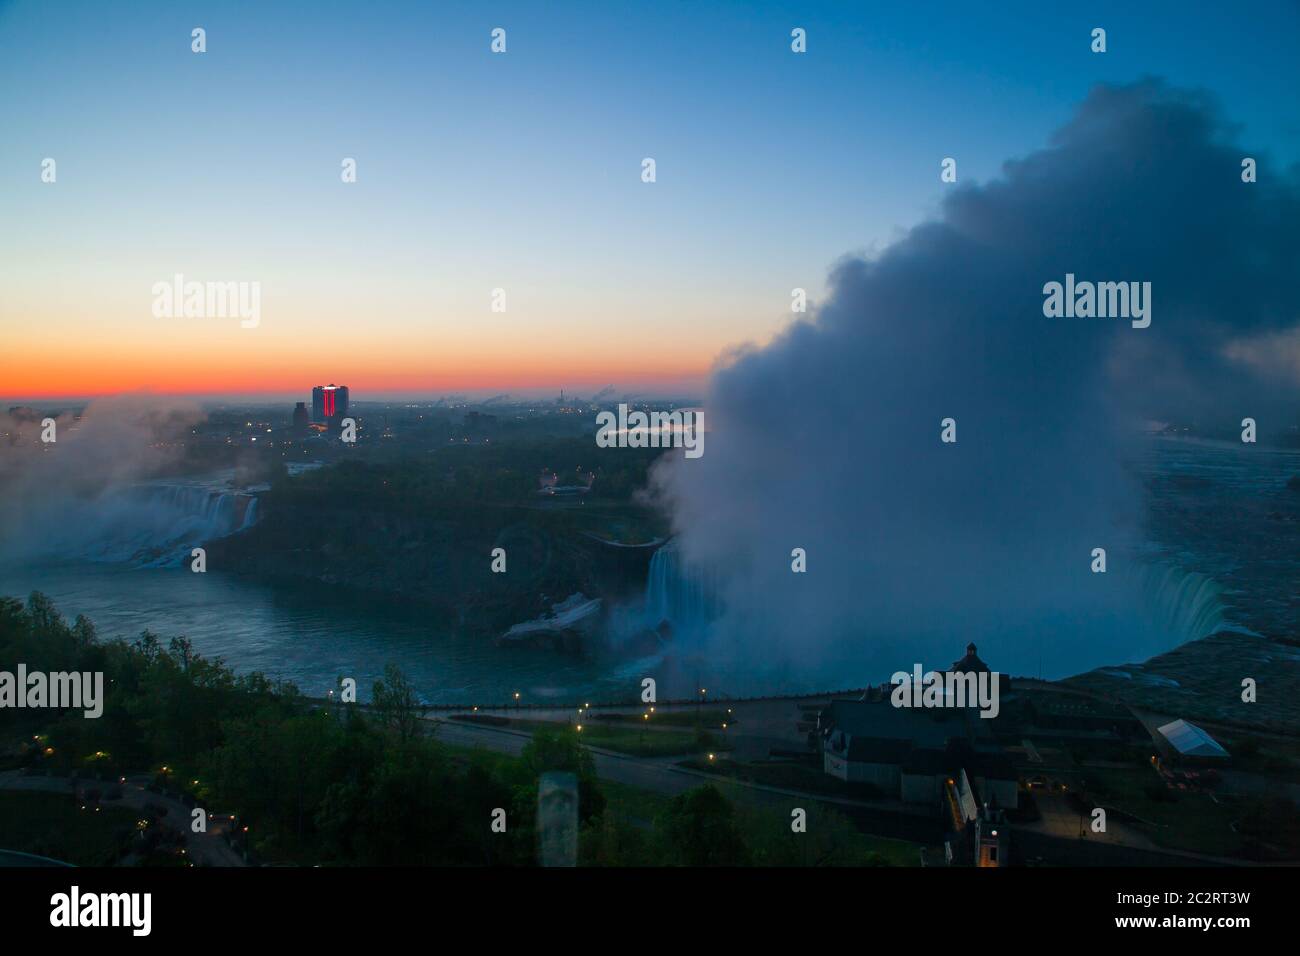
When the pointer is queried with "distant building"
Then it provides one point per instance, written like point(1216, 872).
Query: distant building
point(1070, 714)
point(329, 404)
point(969, 664)
point(300, 419)
point(549, 484)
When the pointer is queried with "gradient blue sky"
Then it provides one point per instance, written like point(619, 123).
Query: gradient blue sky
point(520, 171)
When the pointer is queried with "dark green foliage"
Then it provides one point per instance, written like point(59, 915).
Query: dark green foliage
point(313, 782)
point(699, 829)
point(329, 783)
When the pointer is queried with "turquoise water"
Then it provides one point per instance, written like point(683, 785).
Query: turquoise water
point(1223, 510)
point(308, 638)
point(1222, 550)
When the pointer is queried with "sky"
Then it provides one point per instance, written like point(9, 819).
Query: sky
point(520, 171)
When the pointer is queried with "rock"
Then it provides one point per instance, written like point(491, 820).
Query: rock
point(569, 627)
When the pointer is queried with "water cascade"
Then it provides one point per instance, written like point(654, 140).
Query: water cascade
point(151, 524)
point(681, 593)
point(1186, 604)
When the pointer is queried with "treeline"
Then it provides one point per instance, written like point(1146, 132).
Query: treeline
point(343, 785)
point(422, 530)
point(481, 474)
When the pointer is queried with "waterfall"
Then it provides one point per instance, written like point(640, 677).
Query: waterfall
point(250, 514)
point(683, 594)
point(1185, 603)
point(1157, 606)
point(152, 524)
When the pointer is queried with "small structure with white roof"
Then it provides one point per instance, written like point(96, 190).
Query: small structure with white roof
point(1187, 740)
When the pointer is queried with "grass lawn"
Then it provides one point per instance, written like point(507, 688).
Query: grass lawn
point(710, 719)
point(490, 760)
point(1271, 758)
point(638, 743)
point(762, 827)
point(764, 830)
point(807, 778)
point(1190, 821)
point(631, 739)
point(54, 825)
point(636, 805)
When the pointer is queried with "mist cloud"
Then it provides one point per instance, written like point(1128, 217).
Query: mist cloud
point(828, 438)
point(52, 495)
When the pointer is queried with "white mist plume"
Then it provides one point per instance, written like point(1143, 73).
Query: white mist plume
point(828, 439)
point(56, 494)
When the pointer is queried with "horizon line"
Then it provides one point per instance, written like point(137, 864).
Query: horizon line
point(523, 394)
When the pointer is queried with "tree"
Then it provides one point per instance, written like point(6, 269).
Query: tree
point(560, 749)
point(394, 703)
point(611, 840)
point(698, 829)
point(181, 648)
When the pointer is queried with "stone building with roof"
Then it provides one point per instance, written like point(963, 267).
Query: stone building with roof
point(912, 753)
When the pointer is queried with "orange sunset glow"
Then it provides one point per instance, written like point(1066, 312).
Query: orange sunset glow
point(216, 356)
point(91, 374)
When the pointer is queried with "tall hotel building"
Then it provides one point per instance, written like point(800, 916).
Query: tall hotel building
point(329, 403)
